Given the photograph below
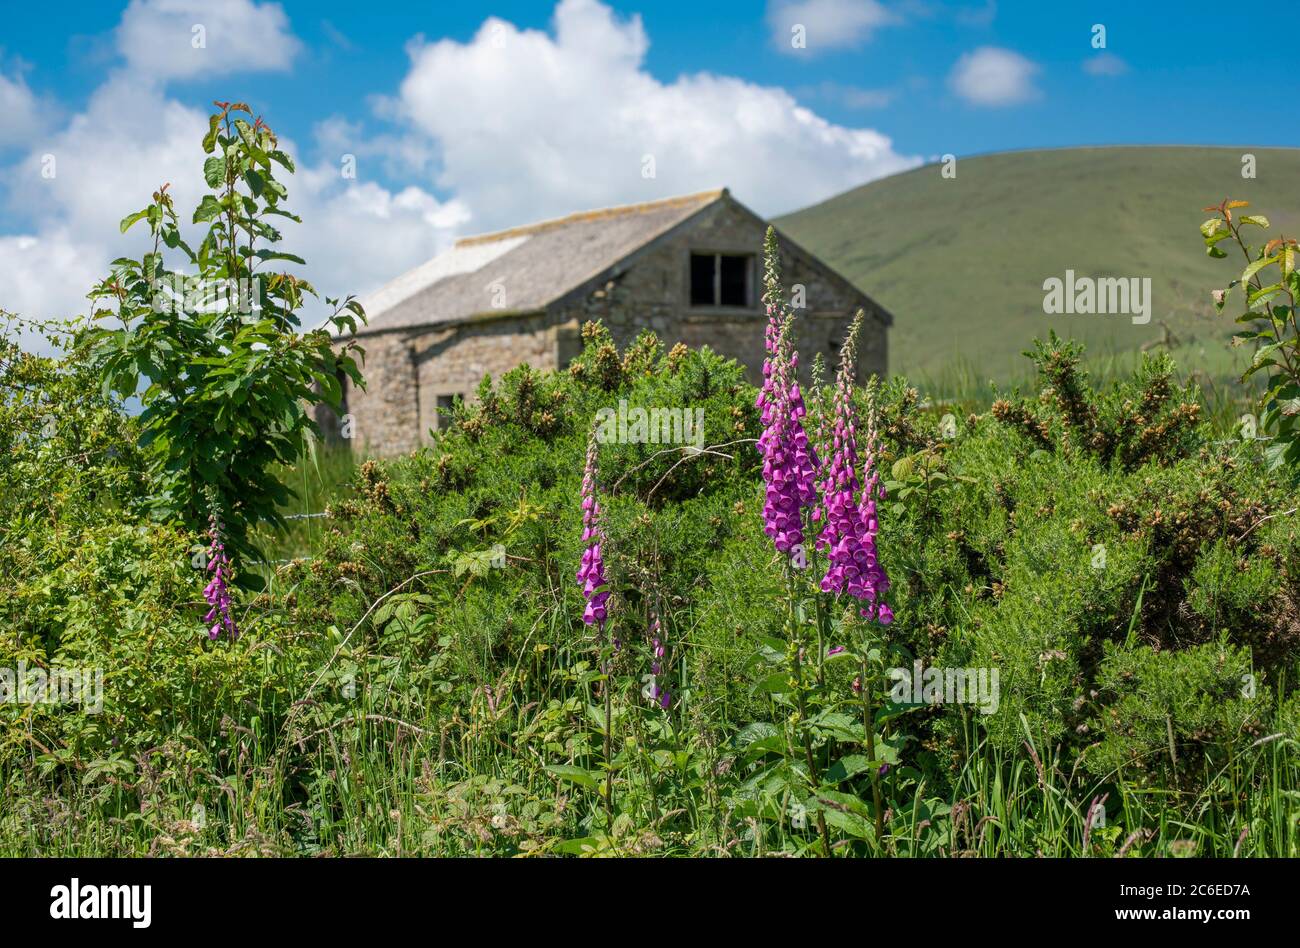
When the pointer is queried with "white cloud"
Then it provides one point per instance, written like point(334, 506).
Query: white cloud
point(527, 124)
point(160, 38)
point(850, 97)
point(47, 276)
point(1105, 64)
point(355, 236)
point(24, 116)
point(827, 24)
point(131, 138)
point(991, 76)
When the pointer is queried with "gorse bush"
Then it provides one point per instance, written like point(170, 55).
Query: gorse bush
point(1148, 421)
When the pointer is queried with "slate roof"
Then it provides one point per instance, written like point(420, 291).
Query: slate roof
point(534, 265)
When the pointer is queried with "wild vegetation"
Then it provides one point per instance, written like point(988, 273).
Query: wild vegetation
point(525, 639)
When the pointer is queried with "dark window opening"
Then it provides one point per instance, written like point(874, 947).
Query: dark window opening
point(719, 279)
point(733, 286)
point(701, 279)
point(446, 404)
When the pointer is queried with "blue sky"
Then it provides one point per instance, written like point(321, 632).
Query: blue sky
point(467, 116)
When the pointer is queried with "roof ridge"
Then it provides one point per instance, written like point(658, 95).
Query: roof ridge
point(593, 215)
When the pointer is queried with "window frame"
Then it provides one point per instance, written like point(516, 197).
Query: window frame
point(750, 258)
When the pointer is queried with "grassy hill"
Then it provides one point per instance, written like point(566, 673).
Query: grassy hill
point(961, 261)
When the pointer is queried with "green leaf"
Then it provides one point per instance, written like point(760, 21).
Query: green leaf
point(774, 684)
point(1263, 293)
point(767, 745)
point(1255, 266)
point(132, 218)
point(574, 774)
point(845, 812)
point(279, 255)
point(849, 766)
point(207, 210)
point(283, 159)
point(839, 726)
point(755, 731)
point(214, 171)
point(1264, 352)
point(210, 139)
point(246, 133)
point(1259, 220)
point(580, 847)
point(596, 715)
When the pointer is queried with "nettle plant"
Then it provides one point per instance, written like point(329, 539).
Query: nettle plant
point(226, 376)
point(1271, 287)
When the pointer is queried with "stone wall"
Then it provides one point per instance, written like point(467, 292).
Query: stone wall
point(453, 362)
point(653, 290)
point(406, 373)
point(384, 417)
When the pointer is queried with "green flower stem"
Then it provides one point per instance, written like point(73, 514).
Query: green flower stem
point(868, 726)
point(609, 741)
point(796, 675)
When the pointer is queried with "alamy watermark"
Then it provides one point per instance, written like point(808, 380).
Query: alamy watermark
point(939, 685)
point(637, 425)
point(177, 293)
point(1087, 296)
point(130, 902)
point(81, 686)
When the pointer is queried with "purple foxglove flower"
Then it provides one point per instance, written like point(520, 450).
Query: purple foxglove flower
point(789, 461)
point(591, 572)
point(662, 695)
point(849, 532)
point(217, 592)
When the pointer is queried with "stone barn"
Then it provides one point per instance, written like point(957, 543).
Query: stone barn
point(689, 268)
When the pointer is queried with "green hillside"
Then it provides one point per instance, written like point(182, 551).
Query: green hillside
point(961, 261)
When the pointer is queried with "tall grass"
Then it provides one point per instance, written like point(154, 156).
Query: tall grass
point(374, 784)
point(965, 385)
point(319, 477)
